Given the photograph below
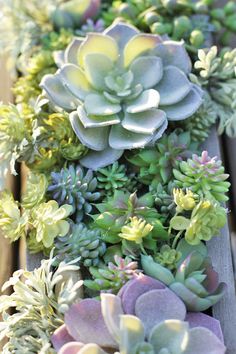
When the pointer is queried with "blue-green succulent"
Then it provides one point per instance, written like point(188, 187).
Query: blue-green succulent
point(122, 87)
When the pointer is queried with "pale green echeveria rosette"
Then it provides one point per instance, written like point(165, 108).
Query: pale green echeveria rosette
point(122, 87)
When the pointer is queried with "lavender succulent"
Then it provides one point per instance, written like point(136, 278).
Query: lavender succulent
point(144, 317)
point(203, 175)
point(75, 186)
point(81, 243)
point(194, 281)
point(124, 101)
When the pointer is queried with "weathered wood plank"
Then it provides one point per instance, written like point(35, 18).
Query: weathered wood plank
point(219, 249)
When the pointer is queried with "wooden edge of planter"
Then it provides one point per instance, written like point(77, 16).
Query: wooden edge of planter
point(220, 251)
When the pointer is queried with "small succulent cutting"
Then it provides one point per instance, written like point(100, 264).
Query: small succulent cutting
point(124, 101)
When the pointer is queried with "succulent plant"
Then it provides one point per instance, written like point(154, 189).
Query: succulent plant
point(111, 277)
point(168, 257)
point(41, 298)
point(203, 175)
point(48, 221)
point(119, 103)
point(194, 281)
point(156, 164)
point(36, 187)
point(75, 186)
point(163, 198)
point(200, 123)
point(184, 200)
point(91, 26)
point(135, 230)
point(111, 178)
point(12, 223)
point(145, 317)
point(81, 243)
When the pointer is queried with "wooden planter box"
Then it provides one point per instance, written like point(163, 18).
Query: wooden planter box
point(220, 252)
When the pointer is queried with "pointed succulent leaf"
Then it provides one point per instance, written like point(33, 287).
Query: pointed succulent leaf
point(156, 271)
point(153, 308)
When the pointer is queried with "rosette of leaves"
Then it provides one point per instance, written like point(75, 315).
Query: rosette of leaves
point(41, 298)
point(111, 178)
point(156, 164)
point(49, 221)
point(82, 243)
point(124, 101)
point(12, 223)
point(14, 137)
point(111, 277)
point(163, 198)
point(168, 257)
point(217, 73)
point(36, 187)
point(194, 281)
point(75, 186)
point(200, 123)
point(144, 317)
point(204, 175)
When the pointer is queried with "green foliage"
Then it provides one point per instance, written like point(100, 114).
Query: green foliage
point(110, 278)
point(163, 198)
point(41, 298)
point(135, 230)
point(168, 257)
point(36, 187)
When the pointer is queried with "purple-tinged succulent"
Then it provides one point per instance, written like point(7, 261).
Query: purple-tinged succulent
point(145, 317)
point(195, 281)
point(121, 87)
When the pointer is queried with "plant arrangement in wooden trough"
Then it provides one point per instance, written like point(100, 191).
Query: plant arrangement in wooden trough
point(113, 102)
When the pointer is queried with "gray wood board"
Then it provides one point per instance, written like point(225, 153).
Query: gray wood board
point(219, 249)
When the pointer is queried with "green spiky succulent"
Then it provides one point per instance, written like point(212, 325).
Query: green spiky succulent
point(110, 278)
point(156, 164)
point(163, 198)
point(200, 123)
point(194, 281)
point(135, 230)
point(75, 186)
point(124, 101)
point(203, 175)
point(36, 187)
point(111, 178)
point(81, 243)
point(41, 298)
point(49, 221)
point(12, 223)
point(168, 257)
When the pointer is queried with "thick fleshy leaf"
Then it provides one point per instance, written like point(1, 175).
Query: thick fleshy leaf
point(98, 43)
point(75, 80)
point(95, 160)
point(98, 105)
point(57, 92)
point(174, 86)
point(212, 279)
point(71, 52)
point(71, 348)
point(185, 108)
point(121, 32)
point(131, 333)
point(198, 319)
point(170, 334)
point(61, 337)
point(96, 67)
point(85, 323)
point(146, 122)
point(191, 263)
point(203, 341)
point(92, 349)
point(138, 45)
point(111, 311)
point(123, 139)
point(156, 270)
point(94, 138)
point(146, 100)
point(59, 58)
point(159, 132)
point(156, 306)
point(185, 248)
point(136, 287)
point(147, 71)
point(93, 121)
point(174, 53)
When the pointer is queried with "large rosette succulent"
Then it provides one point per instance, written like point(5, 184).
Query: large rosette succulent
point(121, 87)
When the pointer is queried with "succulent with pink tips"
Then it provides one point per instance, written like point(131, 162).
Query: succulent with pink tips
point(145, 317)
point(121, 87)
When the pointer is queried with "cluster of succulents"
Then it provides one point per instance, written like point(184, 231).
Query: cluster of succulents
point(108, 122)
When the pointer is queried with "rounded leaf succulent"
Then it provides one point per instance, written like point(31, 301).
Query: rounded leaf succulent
point(121, 87)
